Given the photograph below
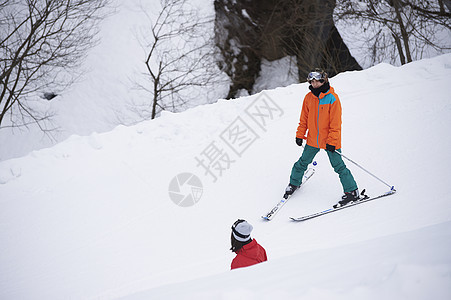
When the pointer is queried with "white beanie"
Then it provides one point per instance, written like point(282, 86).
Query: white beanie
point(242, 230)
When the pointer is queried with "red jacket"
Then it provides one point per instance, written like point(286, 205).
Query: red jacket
point(250, 254)
point(322, 117)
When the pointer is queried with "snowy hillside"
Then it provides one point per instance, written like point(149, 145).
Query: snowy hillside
point(106, 94)
point(94, 217)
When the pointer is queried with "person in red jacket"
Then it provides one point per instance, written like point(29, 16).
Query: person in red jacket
point(248, 251)
point(321, 120)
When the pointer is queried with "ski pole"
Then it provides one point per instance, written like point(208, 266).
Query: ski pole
point(392, 187)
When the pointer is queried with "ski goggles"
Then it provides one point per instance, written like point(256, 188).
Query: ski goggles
point(315, 76)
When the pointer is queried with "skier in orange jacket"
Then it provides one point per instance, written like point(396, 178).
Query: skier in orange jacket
point(321, 120)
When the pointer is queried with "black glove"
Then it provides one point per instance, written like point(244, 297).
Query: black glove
point(330, 148)
point(299, 141)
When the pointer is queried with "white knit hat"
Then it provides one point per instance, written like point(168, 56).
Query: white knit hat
point(241, 230)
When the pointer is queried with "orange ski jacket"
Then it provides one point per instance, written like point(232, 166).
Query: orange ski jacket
point(321, 116)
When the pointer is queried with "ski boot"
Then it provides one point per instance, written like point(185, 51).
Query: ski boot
point(290, 190)
point(348, 198)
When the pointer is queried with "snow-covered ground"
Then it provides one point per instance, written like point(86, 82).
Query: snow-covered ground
point(93, 217)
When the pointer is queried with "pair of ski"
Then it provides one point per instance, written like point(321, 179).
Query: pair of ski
point(308, 174)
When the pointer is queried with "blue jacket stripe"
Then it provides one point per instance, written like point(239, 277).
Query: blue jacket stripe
point(328, 99)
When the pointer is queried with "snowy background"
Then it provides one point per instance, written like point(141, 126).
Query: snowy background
point(93, 218)
point(106, 95)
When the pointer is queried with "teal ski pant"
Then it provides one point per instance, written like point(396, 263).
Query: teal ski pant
point(346, 178)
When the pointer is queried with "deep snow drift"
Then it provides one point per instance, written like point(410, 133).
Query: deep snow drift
point(92, 217)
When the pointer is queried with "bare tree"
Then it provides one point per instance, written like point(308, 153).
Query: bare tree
point(398, 29)
point(41, 45)
point(179, 57)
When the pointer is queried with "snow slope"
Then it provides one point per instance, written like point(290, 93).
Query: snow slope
point(91, 218)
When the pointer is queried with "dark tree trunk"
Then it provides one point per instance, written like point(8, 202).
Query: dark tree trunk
point(248, 31)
